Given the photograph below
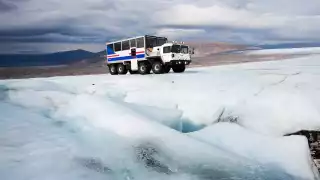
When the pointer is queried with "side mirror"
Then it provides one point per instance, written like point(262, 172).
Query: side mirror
point(191, 51)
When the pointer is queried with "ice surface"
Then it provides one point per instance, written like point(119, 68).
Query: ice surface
point(129, 127)
point(302, 51)
point(290, 152)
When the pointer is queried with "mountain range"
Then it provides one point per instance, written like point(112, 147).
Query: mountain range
point(82, 58)
point(81, 62)
point(52, 59)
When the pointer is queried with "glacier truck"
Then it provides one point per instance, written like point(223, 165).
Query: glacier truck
point(145, 53)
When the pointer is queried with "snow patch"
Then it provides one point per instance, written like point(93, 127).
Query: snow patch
point(291, 152)
point(298, 51)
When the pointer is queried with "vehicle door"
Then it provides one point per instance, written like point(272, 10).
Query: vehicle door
point(166, 53)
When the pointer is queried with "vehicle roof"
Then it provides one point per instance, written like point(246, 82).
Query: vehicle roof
point(124, 39)
point(135, 37)
point(171, 43)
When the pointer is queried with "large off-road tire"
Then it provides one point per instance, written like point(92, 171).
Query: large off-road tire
point(166, 69)
point(157, 67)
point(143, 68)
point(121, 68)
point(113, 69)
point(179, 68)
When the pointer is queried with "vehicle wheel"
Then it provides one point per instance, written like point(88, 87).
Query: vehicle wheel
point(143, 68)
point(133, 72)
point(166, 69)
point(122, 69)
point(113, 69)
point(157, 67)
point(179, 68)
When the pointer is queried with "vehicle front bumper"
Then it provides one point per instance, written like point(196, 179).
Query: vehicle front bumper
point(177, 62)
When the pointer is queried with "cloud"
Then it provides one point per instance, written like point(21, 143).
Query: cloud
point(248, 17)
point(172, 33)
point(6, 6)
point(218, 16)
point(97, 21)
point(100, 19)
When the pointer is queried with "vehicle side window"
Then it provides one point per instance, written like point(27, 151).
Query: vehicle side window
point(133, 43)
point(166, 49)
point(184, 49)
point(125, 45)
point(110, 49)
point(140, 42)
point(117, 46)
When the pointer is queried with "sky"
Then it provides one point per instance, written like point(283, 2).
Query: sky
point(37, 26)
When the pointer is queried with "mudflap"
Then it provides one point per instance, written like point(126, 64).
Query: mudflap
point(134, 65)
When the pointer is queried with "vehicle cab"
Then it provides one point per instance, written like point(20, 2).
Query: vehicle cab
point(175, 53)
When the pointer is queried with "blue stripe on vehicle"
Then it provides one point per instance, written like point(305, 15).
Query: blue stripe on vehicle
point(125, 57)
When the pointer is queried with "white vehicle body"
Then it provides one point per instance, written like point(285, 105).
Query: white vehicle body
point(148, 50)
point(122, 54)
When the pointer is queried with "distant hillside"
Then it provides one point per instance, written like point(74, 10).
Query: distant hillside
point(85, 58)
point(54, 59)
point(96, 61)
point(210, 48)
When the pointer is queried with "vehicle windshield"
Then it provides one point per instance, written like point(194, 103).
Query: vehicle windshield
point(179, 49)
point(176, 48)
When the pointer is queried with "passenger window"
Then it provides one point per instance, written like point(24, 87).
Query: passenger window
point(140, 42)
point(161, 41)
point(133, 43)
point(110, 49)
point(125, 45)
point(117, 46)
point(166, 49)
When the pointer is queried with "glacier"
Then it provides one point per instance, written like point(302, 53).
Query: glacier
point(289, 51)
point(222, 122)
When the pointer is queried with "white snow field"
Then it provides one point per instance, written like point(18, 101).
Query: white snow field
point(291, 51)
point(223, 122)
